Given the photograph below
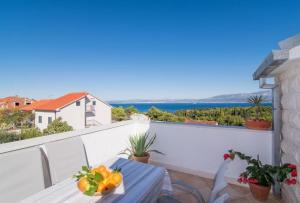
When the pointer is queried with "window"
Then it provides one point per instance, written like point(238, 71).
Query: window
point(49, 120)
point(40, 119)
point(94, 103)
point(17, 104)
point(78, 103)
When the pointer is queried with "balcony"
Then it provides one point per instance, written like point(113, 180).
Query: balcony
point(193, 153)
point(90, 109)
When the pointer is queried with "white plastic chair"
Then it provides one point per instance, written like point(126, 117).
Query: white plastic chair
point(65, 157)
point(21, 174)
point(219, 182)
point(214, 197)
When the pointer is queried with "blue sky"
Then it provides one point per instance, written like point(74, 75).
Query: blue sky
point(138, 49)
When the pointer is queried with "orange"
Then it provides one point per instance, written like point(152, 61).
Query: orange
point(83, 184)
point(101, 187)
point(101, 168)
point(115, 178)
point(105, 174)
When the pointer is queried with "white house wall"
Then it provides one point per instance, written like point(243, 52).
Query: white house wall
point(45, 115)
point(102, 112)
point(74, 115)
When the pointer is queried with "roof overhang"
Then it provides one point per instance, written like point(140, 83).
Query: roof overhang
point(276, 58)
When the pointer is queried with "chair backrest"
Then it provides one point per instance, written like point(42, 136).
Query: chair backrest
point(219, 181)
point(65, 157)
point(21, 174)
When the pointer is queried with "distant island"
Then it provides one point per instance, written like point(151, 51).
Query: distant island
point(226, 98)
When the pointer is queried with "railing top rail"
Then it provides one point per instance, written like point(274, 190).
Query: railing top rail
point(221, 127)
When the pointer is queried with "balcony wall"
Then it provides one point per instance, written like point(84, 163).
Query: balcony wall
point(195, 149)
point(199, 149)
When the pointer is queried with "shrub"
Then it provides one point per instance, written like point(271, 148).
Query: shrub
point(57, 126)
point(8, 137)
point(30, 133)
point(119, 114)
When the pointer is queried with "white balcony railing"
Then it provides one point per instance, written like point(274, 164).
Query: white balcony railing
point(90, 108)
point(195, 149)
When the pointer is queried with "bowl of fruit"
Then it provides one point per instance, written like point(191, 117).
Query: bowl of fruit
point(99, 180)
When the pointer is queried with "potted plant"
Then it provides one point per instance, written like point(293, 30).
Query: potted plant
point(257, 123)
point(261, 177)
point(139, 149)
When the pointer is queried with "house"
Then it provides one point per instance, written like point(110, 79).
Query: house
point(79, 110)
point(280, 71)
point(14, 102)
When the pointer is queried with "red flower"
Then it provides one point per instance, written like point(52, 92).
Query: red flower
point(226, 156)
point(294, 173)
point(253, 180)
point(292, 181)
point(292, 166)
point(242, 180)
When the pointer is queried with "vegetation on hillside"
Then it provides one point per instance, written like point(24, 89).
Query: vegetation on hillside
point(229, 116)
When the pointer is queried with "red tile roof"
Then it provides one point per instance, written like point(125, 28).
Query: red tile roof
point(35, 104)
point(60, 102)
point(10, 102)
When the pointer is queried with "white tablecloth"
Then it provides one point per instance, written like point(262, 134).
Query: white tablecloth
point(141, 183)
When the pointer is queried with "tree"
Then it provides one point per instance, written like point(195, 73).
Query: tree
point(256, 102)
point(119, 114)
point(16, 118)
point(130, 110)
point(57, 126)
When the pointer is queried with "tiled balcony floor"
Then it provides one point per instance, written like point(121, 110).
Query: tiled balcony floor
point(238, 194)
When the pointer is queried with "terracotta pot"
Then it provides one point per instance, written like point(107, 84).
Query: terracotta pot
point(260, 193)
point(258, 124)
point(143, 159)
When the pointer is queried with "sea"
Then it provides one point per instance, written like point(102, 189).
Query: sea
point(172, 107)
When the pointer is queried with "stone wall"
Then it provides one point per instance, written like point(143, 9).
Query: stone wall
point(290, 145)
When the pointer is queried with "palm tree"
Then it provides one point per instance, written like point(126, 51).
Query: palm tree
point(256, 102)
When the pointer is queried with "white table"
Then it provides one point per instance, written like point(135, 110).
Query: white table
point(141, 183)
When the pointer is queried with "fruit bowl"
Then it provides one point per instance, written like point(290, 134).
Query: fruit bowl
point(98, 181)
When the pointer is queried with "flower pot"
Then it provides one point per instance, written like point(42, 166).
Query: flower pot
point(258, 124)
point(260, 193)
point(143, 159)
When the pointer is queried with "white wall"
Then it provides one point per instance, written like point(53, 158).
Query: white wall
point(106, 144)
point(199, 149)
point(45, 115)
point(193, 149)
point(102, 111)
point(289, 81)
point(74, 115)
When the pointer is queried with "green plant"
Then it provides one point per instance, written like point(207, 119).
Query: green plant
point(119, 114)
point(140, 145)
point(57, 126)
point(30, 133)
point(8, 136)
point(264, 174)
point(256, 101)
point(130, 110)
point(16, 118)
